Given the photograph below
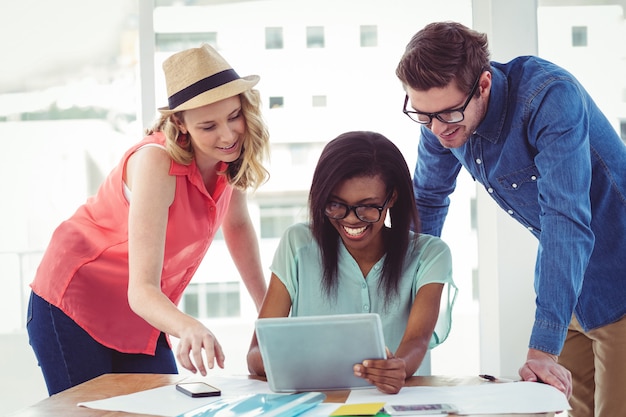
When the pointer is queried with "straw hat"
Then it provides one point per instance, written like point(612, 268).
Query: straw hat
point(200, 76)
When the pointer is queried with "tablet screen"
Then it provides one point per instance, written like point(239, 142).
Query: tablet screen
point(318, 352)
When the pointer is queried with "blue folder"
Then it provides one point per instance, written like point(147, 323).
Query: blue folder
point(267, 405)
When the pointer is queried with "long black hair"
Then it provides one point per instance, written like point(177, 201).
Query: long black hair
point(357, 154)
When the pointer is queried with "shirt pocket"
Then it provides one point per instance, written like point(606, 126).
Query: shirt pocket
point(519, 188)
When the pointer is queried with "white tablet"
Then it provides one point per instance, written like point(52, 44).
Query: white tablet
point(314, 353)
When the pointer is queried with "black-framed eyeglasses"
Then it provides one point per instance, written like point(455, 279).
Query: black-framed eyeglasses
point(368, 213)
point(446, 116)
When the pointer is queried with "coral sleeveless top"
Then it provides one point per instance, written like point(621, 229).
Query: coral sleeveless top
point(84, 270)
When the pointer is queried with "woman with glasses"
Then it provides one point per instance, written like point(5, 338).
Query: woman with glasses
point(352, 257)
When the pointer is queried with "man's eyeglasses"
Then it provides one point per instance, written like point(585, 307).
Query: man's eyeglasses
point(446, 116)
point(366, 213)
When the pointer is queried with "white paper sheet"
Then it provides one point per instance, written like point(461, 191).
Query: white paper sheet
point(166, 401)
point(321, 410)
point(486, 398)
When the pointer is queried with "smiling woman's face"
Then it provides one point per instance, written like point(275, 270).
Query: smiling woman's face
point(216, 130)
point(356, 234)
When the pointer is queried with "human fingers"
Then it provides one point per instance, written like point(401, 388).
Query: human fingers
point(386, 365)
point(527, 374)
point(560, 378)
point(377, 363)
point(197, 340)
point(546, 370)
point(389, 354)
point(218, 353)
point(389, 388)
point(196, 355)
point(210, 346)
point(388, 375)
point(387, 382)
point(182, 355)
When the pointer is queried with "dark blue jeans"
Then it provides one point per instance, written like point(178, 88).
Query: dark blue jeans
point(68, 355)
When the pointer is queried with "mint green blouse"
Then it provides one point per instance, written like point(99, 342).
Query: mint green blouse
point(297, 263)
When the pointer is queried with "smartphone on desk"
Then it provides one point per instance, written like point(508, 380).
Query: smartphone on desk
point(419, 409)
point(198, 389)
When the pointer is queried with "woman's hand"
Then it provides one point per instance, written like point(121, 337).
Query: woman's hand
point(193, 340)
point(255, 361)
point(388, 375)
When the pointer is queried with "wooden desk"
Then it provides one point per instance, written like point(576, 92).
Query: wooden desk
point(111, 385)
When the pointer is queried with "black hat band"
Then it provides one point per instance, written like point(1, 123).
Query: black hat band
point(201, 86)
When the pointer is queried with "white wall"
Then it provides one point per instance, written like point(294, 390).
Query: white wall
point(600, 66)
point(506, 251)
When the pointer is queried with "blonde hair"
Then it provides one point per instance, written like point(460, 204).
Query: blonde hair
point(248, 170)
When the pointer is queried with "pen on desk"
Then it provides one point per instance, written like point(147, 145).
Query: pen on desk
point(492, 378)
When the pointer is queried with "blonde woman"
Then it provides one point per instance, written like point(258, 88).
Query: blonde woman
point(105, 295)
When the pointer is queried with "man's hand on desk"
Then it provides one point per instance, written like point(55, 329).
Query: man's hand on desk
point(543, 367)
point(388, 375)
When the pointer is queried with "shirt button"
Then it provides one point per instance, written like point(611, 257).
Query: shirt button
point(366, 307)
point(363, 285)
point(479, 161)
point(490, 190)
point(533, 177)
point(510, 212)
point(514, 185)
point(530, 228)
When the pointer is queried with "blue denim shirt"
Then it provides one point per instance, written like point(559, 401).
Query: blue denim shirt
point(550, 158)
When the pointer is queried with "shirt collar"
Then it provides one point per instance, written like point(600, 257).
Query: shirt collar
point(194, 177)
point(491, 126)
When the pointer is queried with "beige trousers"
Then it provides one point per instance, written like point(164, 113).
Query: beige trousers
point(597, 361)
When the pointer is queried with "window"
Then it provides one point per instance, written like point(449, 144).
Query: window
point(86, 85)
point(315, 37)
point(190, 301)
point(369, 36)
point(212, 300)
point(174, 42)
point(273, 38)
point(222, 299)
point(276, 218)
point(301, 153)
point(579, 35)
point(318, 101)
point(276, 102)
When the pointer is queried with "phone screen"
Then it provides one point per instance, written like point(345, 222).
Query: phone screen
point(417, 409)
point(198, 389)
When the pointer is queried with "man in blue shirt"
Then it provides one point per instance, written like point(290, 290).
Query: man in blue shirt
point(534, 138)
